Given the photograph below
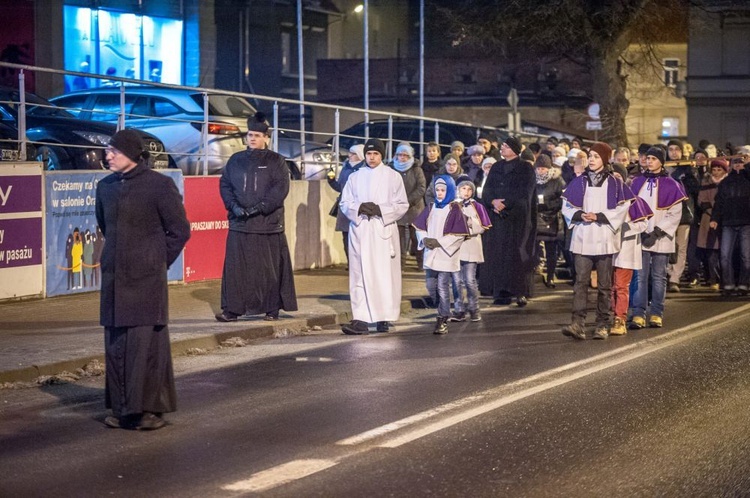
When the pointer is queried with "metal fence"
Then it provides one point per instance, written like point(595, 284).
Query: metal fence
point(215, 136)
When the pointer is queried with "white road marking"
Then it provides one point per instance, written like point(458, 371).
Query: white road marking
point(497, 397)
point(281, 474)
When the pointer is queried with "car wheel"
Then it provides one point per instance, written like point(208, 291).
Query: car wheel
point(53, 158)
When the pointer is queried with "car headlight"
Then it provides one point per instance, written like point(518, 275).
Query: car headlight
point(322, 157)
point(94, 138)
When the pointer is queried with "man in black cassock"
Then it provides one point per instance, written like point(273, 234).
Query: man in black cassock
point(508, 195)
point(141, 216)
point(257, 277)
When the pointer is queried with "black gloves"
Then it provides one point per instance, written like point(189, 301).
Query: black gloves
point(369, 209)
point(430, 243)
point(243, 213)
point(239, 212)
point(625, 228)
point(649, 239)
point(601, 219)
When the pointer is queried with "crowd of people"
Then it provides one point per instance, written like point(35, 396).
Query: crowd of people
point(633, 225)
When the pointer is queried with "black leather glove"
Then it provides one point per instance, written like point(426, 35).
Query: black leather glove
point(255, 210)
point(625, 228)
point(375, 210)
point(649, 239)
point(239, 212)
point(430, 243)
point(659, 233)
point(369, 209)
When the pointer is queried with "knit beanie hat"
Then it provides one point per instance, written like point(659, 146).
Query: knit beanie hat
point(405, 148)
point(676, 142)
point(514, 144)
point(720, 162)
point(643, 149)
point(604, 151)
point(658, 153)
point(543, 161)
point(475, 149)
point(376, 145)
point(257, 123)
point(130, 143)
point(700, 151)
point(359, 151)
point(466, 183)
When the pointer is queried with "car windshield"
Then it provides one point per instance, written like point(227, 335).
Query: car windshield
point(35, 106)
point(226, 105)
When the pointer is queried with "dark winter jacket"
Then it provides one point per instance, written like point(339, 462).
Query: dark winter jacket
point(548, 224)
point(338, 184)
point(255, 178)
point(732, 203)
point(145, 228)
point(430, 170)
point(686, 176)
point(415, 186)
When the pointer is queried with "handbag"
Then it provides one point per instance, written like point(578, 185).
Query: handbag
point(335, 209)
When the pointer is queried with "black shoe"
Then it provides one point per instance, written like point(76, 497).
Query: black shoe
point(457, 317)
point(503, 301)
point(382, 327)
point(226, 316)
point(150, 422)
point(356, 327)
point(522, 301)
point(574, 330)
point(550, 283)
point(441, 326)
point(271, 316)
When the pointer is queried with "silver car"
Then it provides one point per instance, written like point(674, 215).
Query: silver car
point(176, 117)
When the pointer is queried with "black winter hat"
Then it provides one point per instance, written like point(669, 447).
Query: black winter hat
point(643, 149)
point(375, 144)
point(257, 123)
point(658, 153)
point(130, 143)
point(676, 142)
point(514, 144)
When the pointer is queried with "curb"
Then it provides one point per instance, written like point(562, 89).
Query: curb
point(208, 341)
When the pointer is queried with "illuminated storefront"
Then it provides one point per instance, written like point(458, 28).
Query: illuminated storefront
point(121, 44)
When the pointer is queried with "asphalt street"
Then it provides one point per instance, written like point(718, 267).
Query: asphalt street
point(503, 407)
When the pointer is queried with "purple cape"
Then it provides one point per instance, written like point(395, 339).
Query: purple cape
point(639, 210)
point(617, 192)
point(668, 192)
point(484, 218)
point(455, 224)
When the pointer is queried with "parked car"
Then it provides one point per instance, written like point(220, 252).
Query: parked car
point(176, 117)
point(9, 149)
point(61, 140)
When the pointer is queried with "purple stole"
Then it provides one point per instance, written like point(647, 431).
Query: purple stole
point(455, 224)
point(617, 191)
point(668, 193)
point(484, 218)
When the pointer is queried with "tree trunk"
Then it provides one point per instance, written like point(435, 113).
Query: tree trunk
point(609, 88)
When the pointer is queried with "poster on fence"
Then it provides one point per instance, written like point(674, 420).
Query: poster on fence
point(204, 252)
point(21, 246)
point(74, 240)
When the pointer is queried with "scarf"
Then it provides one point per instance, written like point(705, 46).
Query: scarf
point(403, 166)
point(541, 179)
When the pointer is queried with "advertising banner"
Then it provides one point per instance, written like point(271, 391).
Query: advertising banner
point(74, 240)
point(204, 252)
point(21, 245)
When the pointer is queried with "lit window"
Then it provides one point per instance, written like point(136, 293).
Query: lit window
point(671, 72)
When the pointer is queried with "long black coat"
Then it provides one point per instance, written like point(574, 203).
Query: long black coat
point(510, 243)
point(143, 221)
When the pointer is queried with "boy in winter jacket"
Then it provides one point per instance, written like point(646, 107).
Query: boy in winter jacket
point(441, 228)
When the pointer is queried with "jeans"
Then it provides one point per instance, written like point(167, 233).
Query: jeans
point(444, 279)
point(584, 265)
point(729, 236)
point(655, 266)
point(466, 280)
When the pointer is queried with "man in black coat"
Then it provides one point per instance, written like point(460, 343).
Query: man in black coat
point(508, 195)
point(141, 216)
point(257, 276)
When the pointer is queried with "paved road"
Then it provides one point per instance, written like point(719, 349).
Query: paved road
point(504, 407)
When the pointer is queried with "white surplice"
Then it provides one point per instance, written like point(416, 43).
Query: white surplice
point(446, 257)
point(595, 239)
point(374, 247)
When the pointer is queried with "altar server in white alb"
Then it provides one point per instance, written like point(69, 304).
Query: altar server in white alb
point(373, 200)
point(595, 207)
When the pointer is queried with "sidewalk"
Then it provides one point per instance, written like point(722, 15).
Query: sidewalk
point(48, 336)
